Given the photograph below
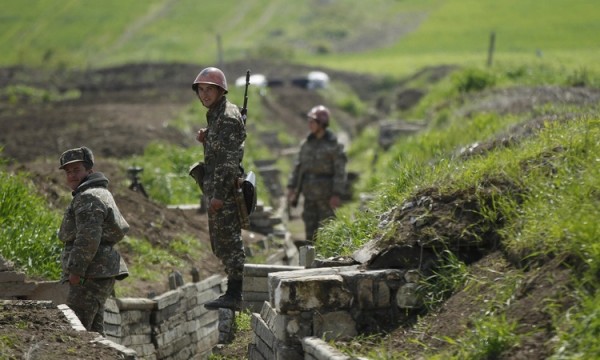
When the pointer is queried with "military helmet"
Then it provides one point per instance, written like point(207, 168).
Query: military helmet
point(210, 75)
point(78, 154)
point(321, 114)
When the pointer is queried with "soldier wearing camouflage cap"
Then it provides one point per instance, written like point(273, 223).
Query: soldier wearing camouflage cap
point(319, 172)
point(223, 142)
point(91, 226)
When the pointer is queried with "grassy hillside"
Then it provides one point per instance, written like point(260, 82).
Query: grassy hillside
point(532, 170)
point(394, 37)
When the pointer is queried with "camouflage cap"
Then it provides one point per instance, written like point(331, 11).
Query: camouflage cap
point(78, 154)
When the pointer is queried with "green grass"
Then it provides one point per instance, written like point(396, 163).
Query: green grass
point(28, 228)
point(558, 32)
point(417, 33)
point(555, 217)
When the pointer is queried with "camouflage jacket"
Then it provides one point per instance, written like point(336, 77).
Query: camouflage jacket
point(92, 224)
point(223, 149)
point(320, 169)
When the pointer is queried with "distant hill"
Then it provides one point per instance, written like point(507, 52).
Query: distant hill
point(378, 36)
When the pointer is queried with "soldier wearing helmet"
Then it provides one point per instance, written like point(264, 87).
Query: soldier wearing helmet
point(319, 172)
point(223, 142)
point(91, 226)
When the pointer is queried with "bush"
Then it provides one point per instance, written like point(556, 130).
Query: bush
point(473, 80)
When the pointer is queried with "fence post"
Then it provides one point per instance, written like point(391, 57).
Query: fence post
point(491, 48)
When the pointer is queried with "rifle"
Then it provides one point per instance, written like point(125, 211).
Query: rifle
point(244, 110)
point(245, 187)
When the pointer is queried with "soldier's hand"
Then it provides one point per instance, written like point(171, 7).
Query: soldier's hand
point(335, 202)
point(215, 205)
point(74, 279)
point(201, 135)
point(291, 195)
point(292, 198)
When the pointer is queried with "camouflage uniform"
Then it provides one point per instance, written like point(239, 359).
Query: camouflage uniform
point(319, 173)
point(223, 153)
point(91, 226)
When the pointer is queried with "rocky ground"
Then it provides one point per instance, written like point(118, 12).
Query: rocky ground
point(122, 109)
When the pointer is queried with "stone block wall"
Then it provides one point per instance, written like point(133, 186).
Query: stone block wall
point(174, 325)
point(330, 304)
point(255, 285)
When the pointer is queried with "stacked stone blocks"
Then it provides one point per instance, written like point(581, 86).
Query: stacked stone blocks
point(174, 325)
point(335, 303)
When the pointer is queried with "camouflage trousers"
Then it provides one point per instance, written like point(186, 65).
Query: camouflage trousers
point(226, 238)
point(87, 301)
point(314, 212)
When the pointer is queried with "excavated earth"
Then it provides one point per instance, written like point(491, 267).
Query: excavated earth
point(122, 109)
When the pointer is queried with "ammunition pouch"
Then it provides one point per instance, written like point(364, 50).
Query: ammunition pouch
point(248, 187)
point(245, 197)
point(197, 172)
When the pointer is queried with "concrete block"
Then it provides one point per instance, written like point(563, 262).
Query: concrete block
point(111, 306)
point(263, 270)
point(311, 292)
point(338, 325)
point(262, 331)
point(319, 349)
point(365, 293)
point(125, 352)
point(408, 297)
point(256, 296)
point(205, 344)
point(255, 284)
point(210, 282)
point(12, 276)
point(50, 290)
point(165, 338)
point(254, 354)
point(12, 289)
point(252, 306)
point(167, 299)
point(263, 348)
point(71, 317)
point(112, 318)
point(382, 295)
point(136, 340)
point(307, 256)
point(135, 317)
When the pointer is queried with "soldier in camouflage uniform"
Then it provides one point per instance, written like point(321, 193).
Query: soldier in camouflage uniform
point(319, 172)
point(91, 226)
point(223, 142)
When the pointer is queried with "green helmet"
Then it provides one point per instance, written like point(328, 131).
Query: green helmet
point(78, 154)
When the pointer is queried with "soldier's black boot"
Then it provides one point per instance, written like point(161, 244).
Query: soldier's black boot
point(232, 299)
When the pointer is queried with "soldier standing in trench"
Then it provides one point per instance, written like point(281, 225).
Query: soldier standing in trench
point(223, 142)
point(91, 226)
point(319, 173)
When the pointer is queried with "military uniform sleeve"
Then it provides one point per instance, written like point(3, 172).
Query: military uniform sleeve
point(89, 214)
point(230, 143)
point(339, 171)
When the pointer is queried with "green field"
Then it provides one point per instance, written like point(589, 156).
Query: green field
point(380, 36)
